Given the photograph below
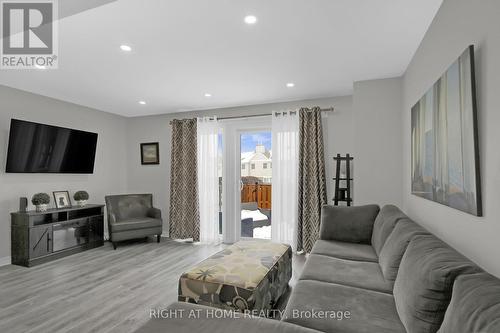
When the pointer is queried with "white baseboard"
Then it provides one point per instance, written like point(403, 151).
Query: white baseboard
point(5, 261)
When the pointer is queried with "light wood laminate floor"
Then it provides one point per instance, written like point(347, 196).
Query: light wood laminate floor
point(100, 290)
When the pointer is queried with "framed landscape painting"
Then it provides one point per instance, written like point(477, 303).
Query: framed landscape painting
point(150, 153)
point(444, 139)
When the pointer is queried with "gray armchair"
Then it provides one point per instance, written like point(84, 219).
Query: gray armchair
point(132, 216)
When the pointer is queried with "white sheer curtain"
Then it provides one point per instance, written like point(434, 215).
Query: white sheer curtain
point(208, 179)
point(285, 143)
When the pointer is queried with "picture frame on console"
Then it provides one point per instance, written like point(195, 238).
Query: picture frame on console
point(62, 199)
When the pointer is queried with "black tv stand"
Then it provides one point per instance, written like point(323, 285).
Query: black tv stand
point(38, 237)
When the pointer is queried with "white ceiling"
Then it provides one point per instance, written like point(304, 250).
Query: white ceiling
point(183, 49)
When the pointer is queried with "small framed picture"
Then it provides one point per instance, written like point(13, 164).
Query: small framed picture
point(150, 153)
point(62, 200)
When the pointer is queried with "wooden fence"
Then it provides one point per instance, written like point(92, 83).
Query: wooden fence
point(260, 193)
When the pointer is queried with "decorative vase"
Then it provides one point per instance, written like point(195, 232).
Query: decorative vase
point(81, 203)
point(41, 208)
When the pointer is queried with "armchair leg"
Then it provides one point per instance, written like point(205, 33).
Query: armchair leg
point(114, 245)
point(158, 237)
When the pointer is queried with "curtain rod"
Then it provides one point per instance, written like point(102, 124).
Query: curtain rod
point(330, 109)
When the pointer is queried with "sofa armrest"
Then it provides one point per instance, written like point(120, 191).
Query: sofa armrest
point(154, 213)
point(348, 224)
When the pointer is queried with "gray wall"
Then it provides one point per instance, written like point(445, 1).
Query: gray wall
point(338, 137)
point(459, 23)
point(110, 166)
point(377, 148)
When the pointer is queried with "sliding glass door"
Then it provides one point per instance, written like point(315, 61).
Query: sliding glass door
point(246, 179)
point(255, 183)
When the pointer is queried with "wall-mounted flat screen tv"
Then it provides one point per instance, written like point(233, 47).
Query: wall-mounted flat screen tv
point(444, 136)
point(40, 148)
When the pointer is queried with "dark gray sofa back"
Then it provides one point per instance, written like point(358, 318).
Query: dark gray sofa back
point(424, 283)
point(474, 306)
point(348, 224)
point(384, 223)
point(395, 247)
point(128, 206)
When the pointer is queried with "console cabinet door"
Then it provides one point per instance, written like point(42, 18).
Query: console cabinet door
point(96, 229)
point(40, 241)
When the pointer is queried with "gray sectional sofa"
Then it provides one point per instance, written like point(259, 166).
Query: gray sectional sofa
point(384, 270)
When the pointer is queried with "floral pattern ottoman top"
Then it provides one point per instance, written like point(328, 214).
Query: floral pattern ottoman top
point(248, 275)
point(243, 265)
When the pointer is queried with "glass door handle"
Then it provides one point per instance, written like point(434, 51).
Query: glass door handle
point(241, 185)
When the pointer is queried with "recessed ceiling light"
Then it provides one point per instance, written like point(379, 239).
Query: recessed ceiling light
point(250, 19)
point(290, 85)
point(208, 95)
point(142, 102)
point(125, 48)
point(40, 66)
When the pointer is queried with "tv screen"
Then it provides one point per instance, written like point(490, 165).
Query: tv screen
point(39, 148)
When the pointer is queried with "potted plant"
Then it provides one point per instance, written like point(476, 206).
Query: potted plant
point(40, 200)
point(81, 198)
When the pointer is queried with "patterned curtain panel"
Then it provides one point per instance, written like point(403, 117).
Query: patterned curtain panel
point(184, 212)
point(312, 182)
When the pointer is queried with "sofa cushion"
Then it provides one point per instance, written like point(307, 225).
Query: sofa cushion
point(384, 223)
point(360, 274)
point(423, 286)
point(135, 223)
point(343, 250)
point(348, 224)
point(133, 234)
point(369, 311)
point(395, 247)
point(190, 318)
point(129, 205)
point(474, 306)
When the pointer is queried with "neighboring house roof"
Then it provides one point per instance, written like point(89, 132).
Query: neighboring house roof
point(253, 156)
point(260, 154)
point(245, 157)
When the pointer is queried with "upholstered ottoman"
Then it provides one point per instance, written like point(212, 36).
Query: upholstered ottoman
point(248, 275)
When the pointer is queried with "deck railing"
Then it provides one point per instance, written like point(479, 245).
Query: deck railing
point(260, 193)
